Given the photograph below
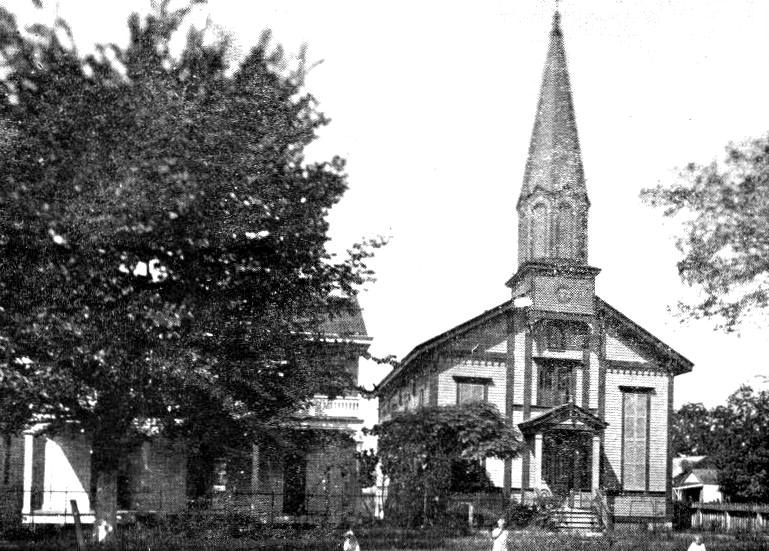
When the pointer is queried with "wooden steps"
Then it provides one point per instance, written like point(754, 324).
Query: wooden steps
point(577, 519)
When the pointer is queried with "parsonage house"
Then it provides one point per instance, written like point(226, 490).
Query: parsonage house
point(41, 474)
point(590, 390)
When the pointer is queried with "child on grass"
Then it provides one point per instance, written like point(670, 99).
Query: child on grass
point(350, 542)
point(499, 536)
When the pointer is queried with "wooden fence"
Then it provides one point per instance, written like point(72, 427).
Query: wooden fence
point(730, 517)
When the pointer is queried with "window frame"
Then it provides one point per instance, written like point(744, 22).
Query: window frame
point(574, 335)
point(557, 366)
point(482, 381)
point(643, 394)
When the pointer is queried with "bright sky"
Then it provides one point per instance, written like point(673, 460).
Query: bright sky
point(432, 104)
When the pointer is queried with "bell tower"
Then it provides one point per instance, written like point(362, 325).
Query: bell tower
point(553, 205)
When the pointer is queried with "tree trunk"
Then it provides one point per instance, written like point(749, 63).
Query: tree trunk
point(105, 507)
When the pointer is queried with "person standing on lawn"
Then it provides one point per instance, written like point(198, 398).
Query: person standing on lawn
point(499, 537)
point(697, 544)
point(350, 542)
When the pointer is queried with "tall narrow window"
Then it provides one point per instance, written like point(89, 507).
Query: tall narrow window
point(556, 338)
point(554, 383)
point(538, 238)
point(565, 231)
point(635, 436)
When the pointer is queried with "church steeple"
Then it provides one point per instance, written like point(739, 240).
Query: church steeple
point(553, 205)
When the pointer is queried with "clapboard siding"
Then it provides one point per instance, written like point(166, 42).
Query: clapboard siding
point(618, 350)
point(594, 367)
point(447, 395)
point(647, 506)
point(499, 348)
point(579, 380)
point(495, 371)
point(495, 468)
point(519, 354)
point(658, 429)
point(517, 463)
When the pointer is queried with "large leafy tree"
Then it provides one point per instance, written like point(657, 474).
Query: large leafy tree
point(427, 451)
point(694, 430)
point(735, 437)
point(743, 456)
point(162, 259)
point(724, 208)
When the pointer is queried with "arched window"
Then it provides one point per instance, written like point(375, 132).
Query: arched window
point(565, 231)
point(538, 235)
point(565, 335)
point(555, 336)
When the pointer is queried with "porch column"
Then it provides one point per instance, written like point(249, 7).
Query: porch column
point(536, 464)
point(596, 477)
point(26, 507)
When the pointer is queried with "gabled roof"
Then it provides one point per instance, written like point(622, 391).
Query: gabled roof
point(566, 416)
point(443, 339)
point(696, 477)
point(678, 362)
point(687, 461)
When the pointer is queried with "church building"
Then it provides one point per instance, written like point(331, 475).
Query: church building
point(590, 390)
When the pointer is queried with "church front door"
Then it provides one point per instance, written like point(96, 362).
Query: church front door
point(567, 462)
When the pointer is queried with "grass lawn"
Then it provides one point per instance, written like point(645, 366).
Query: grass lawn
point(388, 539)
point(546, 541)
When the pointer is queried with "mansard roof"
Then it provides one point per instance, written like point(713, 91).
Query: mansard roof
point(441, 343)
point(344, 319)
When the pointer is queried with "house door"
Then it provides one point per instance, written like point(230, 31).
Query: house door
point(566, 462)
point(294, 482)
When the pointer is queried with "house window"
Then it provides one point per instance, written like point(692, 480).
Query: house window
point(556, 336)
point(635, 438)
point(554, 383)
point(564, 335)
point(471, 389)
point(421, 397)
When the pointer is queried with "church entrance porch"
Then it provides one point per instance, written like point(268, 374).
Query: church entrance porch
point(565, 453)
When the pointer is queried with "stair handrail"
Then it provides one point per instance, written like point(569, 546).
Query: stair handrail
point(601, 506)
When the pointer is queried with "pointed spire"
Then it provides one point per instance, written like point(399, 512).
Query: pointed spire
point(554, 162)
point(553, 205)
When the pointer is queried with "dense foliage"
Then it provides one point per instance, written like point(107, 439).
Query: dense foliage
point(735, 437)
point(419, 450)
point(162, 240)
point(724, 208)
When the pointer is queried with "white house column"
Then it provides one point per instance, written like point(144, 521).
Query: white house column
point(596, 477)
point(26, 507)
point(536, 464)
